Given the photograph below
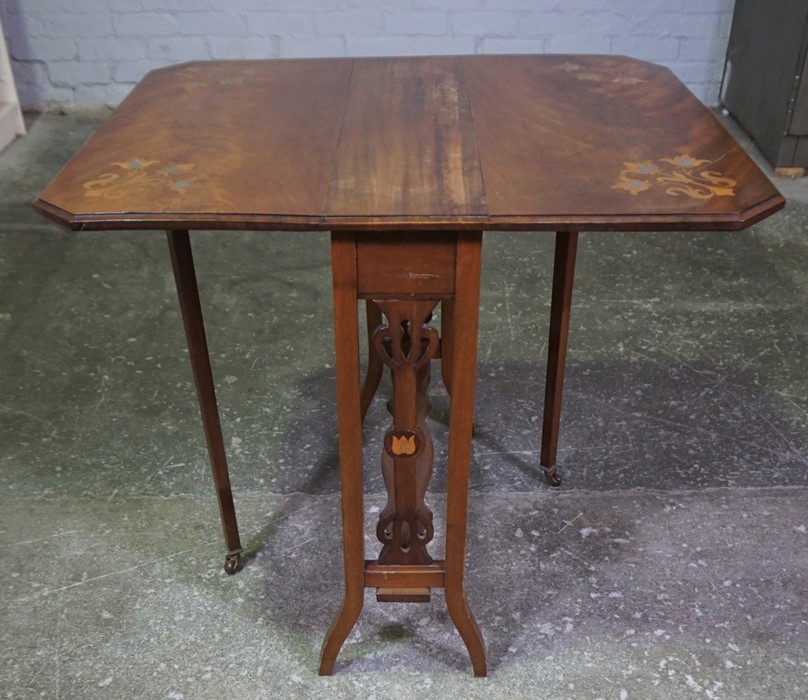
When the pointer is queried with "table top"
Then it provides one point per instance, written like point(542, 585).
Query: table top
point(540, 142)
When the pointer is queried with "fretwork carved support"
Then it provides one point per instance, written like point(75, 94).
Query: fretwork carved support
point(404, 277)
point(407, 344)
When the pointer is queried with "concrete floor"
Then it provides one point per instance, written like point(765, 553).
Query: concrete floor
point(671, 564)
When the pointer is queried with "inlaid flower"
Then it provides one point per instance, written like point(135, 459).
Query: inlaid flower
point(138, 177)
point(628, 80)
point(679, 178)
point(645, 167)
point(177, 169)
point(180, 185)
point(635, 186)
point(135, 164)
point(684, 161)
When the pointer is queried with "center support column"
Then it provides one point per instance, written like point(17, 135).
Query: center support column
point(405, 275)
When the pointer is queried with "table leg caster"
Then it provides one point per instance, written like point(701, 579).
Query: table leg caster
point(233, 563)
point(553, 477)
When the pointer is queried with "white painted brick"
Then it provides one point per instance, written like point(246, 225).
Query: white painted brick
point(285, 5)
point(76, 72)
point(579, 43)
point(649, 49)
point(345, 23)
point(173, 5)
point(74, 25)
point(42, 48)
point(111, 49)
point(596, 7)
point(444, 45)
point(207, 23)
point(110, 94)
point(33, 86)
point(551, 23)
point(702, 49)
point(377, 5)
point(222, 48)
point(607, 23)
point(534, 5)
point(639, 9)
point(30, 72)
point(177, 49)
point(459, 5)
point(312, 47)
point(48, 96)
point(426, 23)
point(39, 7)
point(145, 24)
point(706, 92)
point(494, 45)
point(679, 25)
point(706, 6)
point(484, 23)
point(379, 46)
point(101, 6)
point(688, 35)
point(133, 71)
point(697, 71)
point(280, 23)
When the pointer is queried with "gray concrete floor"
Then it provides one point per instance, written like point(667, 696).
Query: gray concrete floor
point(671, 564)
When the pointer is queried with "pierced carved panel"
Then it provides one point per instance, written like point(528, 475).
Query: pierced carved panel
point(406, 343)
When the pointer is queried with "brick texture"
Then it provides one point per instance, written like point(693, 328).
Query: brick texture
point(94, 51)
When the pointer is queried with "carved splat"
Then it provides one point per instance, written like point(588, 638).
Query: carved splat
point(406, 344)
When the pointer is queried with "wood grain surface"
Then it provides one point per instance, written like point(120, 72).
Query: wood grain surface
point(547, 142)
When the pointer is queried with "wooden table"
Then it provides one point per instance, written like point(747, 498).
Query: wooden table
point(406, 161)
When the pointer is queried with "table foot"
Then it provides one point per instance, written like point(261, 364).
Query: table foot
point(552, 476)
point(338, 632)
point(233, 563)
point(466, 625)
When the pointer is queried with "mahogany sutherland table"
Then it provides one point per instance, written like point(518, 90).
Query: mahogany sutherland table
point(406, 161)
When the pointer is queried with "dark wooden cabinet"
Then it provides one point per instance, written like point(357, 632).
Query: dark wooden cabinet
point(765, 85)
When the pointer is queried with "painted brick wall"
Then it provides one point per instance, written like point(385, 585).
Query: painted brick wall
point(94, 51)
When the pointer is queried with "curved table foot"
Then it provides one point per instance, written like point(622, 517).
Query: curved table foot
point(465, 623)
point(338, 632)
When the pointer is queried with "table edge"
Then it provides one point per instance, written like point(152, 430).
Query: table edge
point(260, 222)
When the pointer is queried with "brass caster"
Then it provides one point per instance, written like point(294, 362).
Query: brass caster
point(233, 563)
point(553, 477)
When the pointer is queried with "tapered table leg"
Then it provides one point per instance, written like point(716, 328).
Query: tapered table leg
point(375, 367)
point(563, 275)
point(447, 311)
point(464, 323)
point(182, 262)
point(349, 426)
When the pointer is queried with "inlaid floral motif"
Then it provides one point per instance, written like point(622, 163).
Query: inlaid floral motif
point(138, 175)
point(195, 77)
point(606, 75)
point(680, 176)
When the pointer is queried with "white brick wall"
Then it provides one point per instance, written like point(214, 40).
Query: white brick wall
point(94, 51)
